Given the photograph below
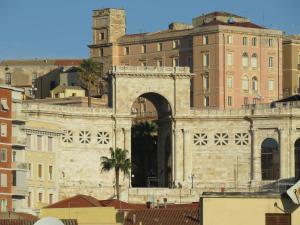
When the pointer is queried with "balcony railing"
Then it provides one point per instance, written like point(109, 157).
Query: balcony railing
point(17, 116)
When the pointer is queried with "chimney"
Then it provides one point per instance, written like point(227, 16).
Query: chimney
point(165, 202)
point(148, 204)
point(158, 203)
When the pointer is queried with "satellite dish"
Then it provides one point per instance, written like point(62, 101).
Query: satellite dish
point(294, 193)
point(49, 221)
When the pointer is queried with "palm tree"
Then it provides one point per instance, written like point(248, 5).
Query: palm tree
point(91, 74)
point(118, 160)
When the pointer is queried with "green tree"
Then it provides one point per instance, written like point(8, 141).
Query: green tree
point(119, 162)
point(91, 76)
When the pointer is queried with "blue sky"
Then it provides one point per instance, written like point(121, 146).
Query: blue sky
point(62, 28)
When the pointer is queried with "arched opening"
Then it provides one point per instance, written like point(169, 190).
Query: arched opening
point(245, 60)
point(254, 84)
point(297, 159)
point(151, 142)
point(270, 159)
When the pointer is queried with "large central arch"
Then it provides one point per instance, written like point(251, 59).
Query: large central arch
point(152, 161)
point(167, 88)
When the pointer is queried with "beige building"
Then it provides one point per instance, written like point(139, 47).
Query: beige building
point(235, 61)
point(67, 91)
point(291, 65)
point(248, 209)
point(41, 157)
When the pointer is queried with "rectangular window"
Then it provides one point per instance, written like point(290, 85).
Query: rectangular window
point(254, 41)
point(40, 196)
point(270, 42)
point(190, 43)
point(14, 156)
point(3, 155)
point(50, 170)
point(229, 39)
point(229, 59)
point(271, 85)
point(143, 49)
point(206, 59)
point(40, 171)
point(271, 62)
point(229, 82)
point(39, 143)
point(159, 47)
point(8, 78)
point(205, 40)
point(229, 100)
point(29, 167)
point(101, 52)
point(175, 62)
point(176, 44)
point(205, 82)
point(3, 130)
point(33, 78)
point(159, 63)
point(126, 50)
point(190, 61)
point(50, 198)
point(101, 36)
point(245, 100)
point(50, 144)
point(3, 180)
point(3, 205)
point(206, 101)
point(29, 199)
point(245, 41)
point(4, 105)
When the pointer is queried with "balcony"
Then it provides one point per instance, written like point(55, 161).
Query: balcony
point(19, 166)
point(19, 191)
point(18, 142)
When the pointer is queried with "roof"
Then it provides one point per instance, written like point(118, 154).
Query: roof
point(77, 201)
point(237, 24)
point(163, 217)
point(223, 13)
point(38, 62)
point(117, 204)
point(31, 222)
point(17, 215)
point(262, 194)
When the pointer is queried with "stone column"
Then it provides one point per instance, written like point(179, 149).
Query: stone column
point(119, 134)
point(127, 139)
point(283, 150)
point(256, 156)
point(292, 153)
point(178, 156)
point(187, 155)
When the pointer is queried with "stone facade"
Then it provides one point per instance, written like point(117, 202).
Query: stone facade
point(211, 150)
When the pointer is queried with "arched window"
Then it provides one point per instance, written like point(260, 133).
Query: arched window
point(297, 159)
point(254, 84)
point(245, 83)
point(254, 61)
point(245, 60)
point(270, 159)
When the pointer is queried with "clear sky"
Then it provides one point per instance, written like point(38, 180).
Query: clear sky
point(62, 28)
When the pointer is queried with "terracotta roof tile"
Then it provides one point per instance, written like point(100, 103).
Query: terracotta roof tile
point(67, 62)
point(163, 217)
point(76, 201)
point(120, 205)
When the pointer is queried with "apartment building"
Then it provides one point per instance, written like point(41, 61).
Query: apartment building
point(291, 65)
point(25, 74)
point(12, 147)
point(41, 156)
point(235, 61)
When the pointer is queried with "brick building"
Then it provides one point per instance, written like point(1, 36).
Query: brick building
point(12, 146)
point(235, 61)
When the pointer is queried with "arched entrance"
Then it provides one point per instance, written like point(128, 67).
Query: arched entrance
point(297, 159)
point(270, 159)
point(151, 142)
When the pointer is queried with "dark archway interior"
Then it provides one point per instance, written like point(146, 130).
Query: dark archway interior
point(151, 142)
point(297, 159)
point(270, 159)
